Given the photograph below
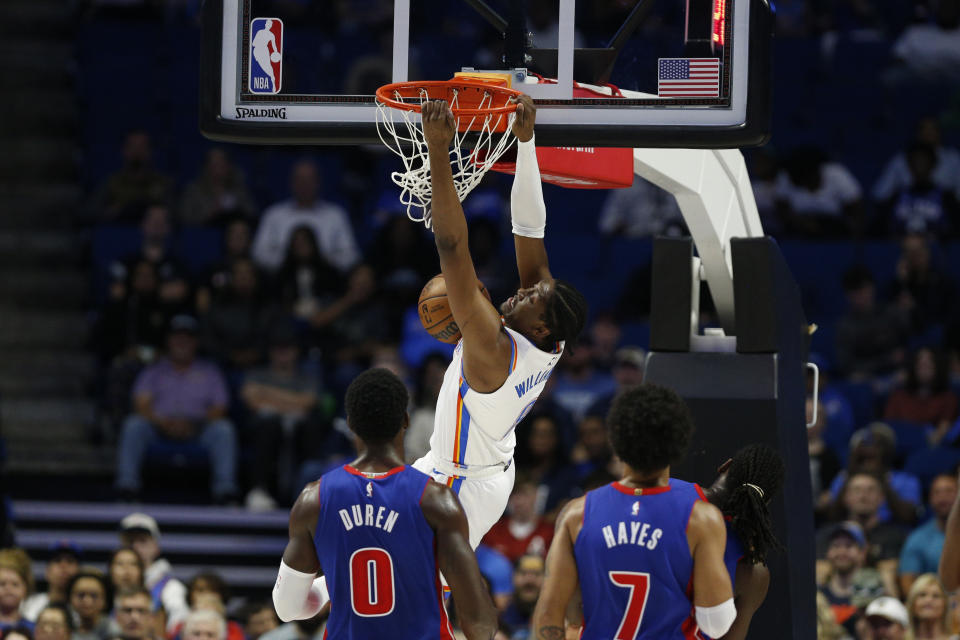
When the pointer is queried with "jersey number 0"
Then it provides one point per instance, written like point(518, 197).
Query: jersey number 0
point(371, 582)
point(639, 585)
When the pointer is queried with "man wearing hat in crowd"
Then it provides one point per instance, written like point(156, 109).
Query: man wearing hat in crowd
point(887, 619)
point(846, 556)
point(65, 556)
point(179, 398)
point(140, 532)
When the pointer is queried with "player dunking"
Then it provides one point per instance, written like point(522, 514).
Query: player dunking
point(505, 356)
point(743, 492)
point(646, 549)
point(381, 532)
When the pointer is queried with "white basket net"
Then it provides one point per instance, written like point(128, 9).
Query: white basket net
point(402, 132)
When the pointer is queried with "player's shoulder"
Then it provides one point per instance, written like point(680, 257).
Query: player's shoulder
point(706, 519)
point(307, 506)
point(572, 514)
point(439, 504)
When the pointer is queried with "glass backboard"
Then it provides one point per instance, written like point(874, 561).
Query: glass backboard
point(640, 73)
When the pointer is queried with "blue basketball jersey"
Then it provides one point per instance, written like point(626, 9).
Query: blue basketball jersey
point(634, 562)
point(379, 556)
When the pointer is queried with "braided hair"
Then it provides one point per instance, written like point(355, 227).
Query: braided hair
point(566, 313)
point(754, 478)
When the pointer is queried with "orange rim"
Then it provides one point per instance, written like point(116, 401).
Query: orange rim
point(470, 93)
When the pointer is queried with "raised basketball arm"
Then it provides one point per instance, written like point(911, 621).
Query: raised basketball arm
point(528, 213)
point(486, 346)
point(443, 512)
point(298, 594)
point(712, 591)
point(949, 569)
point(561, 579)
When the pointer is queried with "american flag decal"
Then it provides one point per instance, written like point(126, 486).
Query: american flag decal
point(688, 77)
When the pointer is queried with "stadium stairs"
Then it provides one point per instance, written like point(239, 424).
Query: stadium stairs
point(45, 372)
point(243, 547)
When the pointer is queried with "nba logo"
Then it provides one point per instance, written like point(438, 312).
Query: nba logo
point(266, 51)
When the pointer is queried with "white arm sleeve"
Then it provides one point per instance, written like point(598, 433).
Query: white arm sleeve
point(528, 213)
point(297, 595)
point(716, 621)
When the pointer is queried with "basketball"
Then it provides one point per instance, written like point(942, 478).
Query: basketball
point(275, 56)
point(435, 314)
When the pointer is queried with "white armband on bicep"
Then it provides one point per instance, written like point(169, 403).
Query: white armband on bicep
point(298, 595)
point(528, 213)
point(716, 621)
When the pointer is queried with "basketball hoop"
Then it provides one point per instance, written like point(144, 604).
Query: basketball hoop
point(484, 116)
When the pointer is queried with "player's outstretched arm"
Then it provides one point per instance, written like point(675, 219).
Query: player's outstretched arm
point(750, 590)
point(298, 594)
point(475, 609)
point(712, 590)
point(528, 213)
point(950, 556)
point(486, 346)
point(561, 579)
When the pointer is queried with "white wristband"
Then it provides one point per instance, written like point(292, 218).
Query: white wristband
point(528, 213)
point(716, 621)
point(296, 595)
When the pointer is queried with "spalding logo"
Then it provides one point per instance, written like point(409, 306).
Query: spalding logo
point(425, 312)
point(448, 331)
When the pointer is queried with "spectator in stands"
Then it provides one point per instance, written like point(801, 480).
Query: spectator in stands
point(824, 464)
point(846, 557)
point(133, 320)
point(605, 335)
point(827, 626)
point(928, 610)
point(16, 583)
point(861, 499)
point(238, 319)
point(923, 206)
point(403, 259)
point(140, 532)
point(18, 633)
point(289, 417)
point(312, 289)
point(540, 453)
point(921, 552)
point(926, 397)
point(208, 591)
point(527, 582)
point(931, 52)
point(921, 292)
point(237, 235)
point(156, 228)
point(258, 618)
point(887, 619)
point(578, 382)
point(871, 451)
point(312, 629)
point(132, 609)
point(591, 453)
point(627, 371)
point(897, 176)
point(644, 210)
point(218, 193)
point(125, 570)
point(817, 198)
point(498, 572)
point(204, 624)
point(416, 441)
point(328, 221)
point(522, 530)
point(63, 564)
point(869, 339)
point(90, 598)
point(183, 399)
point(54, 622)
point(136, 184)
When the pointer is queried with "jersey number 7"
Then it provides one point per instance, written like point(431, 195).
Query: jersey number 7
point(639, 585)
point(371, 582)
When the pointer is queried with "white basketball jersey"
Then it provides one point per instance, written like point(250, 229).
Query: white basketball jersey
point(474, 430)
